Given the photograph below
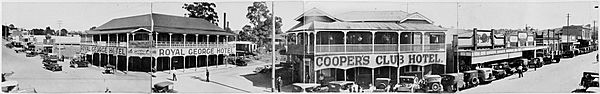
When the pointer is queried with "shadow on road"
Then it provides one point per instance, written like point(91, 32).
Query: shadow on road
point(582, 91)
point(202, 79)
point(259, 80)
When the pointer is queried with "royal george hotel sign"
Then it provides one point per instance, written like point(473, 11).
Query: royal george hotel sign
point(378, 60)
point(194, 51)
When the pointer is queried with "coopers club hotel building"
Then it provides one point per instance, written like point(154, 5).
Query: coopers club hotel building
point(156, 41)
point(362, 46)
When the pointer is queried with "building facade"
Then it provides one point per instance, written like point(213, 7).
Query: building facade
point(362, 46)
point(156, 41)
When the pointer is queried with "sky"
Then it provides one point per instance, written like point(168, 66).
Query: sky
point(80, 16)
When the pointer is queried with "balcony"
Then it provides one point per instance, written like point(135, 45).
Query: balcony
point(359, 47)
point(411, 47)
point(386, 47)
point(330, 48)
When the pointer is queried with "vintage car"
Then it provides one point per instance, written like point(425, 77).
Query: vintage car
point(263, 69)
point(304, 87)
point(163, 87)
point(499, 71)
point(109, 69)
point(407, 84)
point(471, 78)
point(239, 61)
point(78, 62)
point(19, 49)
point(520, 62)
point(30, 53)
point(344, 86)
point(453, 81)
point(432, 83)
point(51, 57)
point(382, 84)
point(589, 79)
point(536, 62)
point(486, 74)
point(8, 86)
point(53, 66)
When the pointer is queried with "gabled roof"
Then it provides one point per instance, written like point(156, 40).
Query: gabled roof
point(347, 26)
point(314, 12)
point(162, 23)
point(373, 15)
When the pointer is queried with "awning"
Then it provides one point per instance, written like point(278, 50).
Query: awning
point(488, 58)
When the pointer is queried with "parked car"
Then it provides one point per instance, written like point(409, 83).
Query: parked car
point(589, 79)
point(537, 62)
point(163, 87)
point(50, 57)
point(499, 71)
point(78, 62)
point(30, 54)
point(263, 69)
point(407, 84)
point(19, 49)
point(304, 87)
point(53, 67)
point(432, 83)
point(471, 78)
point(382, 85)
point(344, 85)
point(520, 62)
point(453, 81)
point(486, 74)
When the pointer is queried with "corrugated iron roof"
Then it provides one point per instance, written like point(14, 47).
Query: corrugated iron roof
point(373, 15)
point(165, 22)
point(314, 12)
point(348, 25)
point(420, 26)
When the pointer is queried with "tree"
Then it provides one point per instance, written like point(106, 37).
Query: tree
point(63, 32)
point(261, 19)
point(93, 27)
point(49, 31)
point(37, 31)
point(203, 10)
point(246, 34)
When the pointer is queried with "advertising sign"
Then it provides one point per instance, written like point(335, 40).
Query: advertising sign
point(141, 52)
point(378, 60)
point(513, 39)
point(194, 51)
point(483, 39)
point(522, 35)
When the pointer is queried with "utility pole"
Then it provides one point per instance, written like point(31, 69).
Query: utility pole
point(273, 46)
point(568, 15)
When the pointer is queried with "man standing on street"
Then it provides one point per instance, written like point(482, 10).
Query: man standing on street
point(520, 71)
point(207, 76)
point(174, 77)
point(279, 84)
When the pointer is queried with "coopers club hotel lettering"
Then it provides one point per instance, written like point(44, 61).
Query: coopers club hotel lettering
point(378, 60)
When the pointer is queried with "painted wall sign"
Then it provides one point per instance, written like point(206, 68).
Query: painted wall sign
point(378, 60)
point(141, 52)
point(194, 51)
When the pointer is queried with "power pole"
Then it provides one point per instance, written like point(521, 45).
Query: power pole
point(568, 15)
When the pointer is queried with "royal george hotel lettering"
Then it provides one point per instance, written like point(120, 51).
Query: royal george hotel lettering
point(378, 60)
point(195, 51)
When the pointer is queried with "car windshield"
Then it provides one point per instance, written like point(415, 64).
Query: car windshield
point(406, 80)
point(53, 57)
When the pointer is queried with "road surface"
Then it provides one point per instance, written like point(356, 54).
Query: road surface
point(223, 79)
point(30, 74)
point(560, 77)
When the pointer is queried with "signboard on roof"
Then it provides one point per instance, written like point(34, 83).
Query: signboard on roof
point(223, 49)
point(483, 39)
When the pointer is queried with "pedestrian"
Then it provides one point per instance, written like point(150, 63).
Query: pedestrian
point(174, 77)
point(279, 84)
point(520, 71)
point(207, 76)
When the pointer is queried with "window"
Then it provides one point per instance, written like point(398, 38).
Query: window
point(386, 38)
point(330, 37)
point(413, 68)
point(359, 38)
point(435, 37)
point(410, 38)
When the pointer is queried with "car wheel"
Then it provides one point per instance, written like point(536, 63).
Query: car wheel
point(436, 87)
point(475, 82)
